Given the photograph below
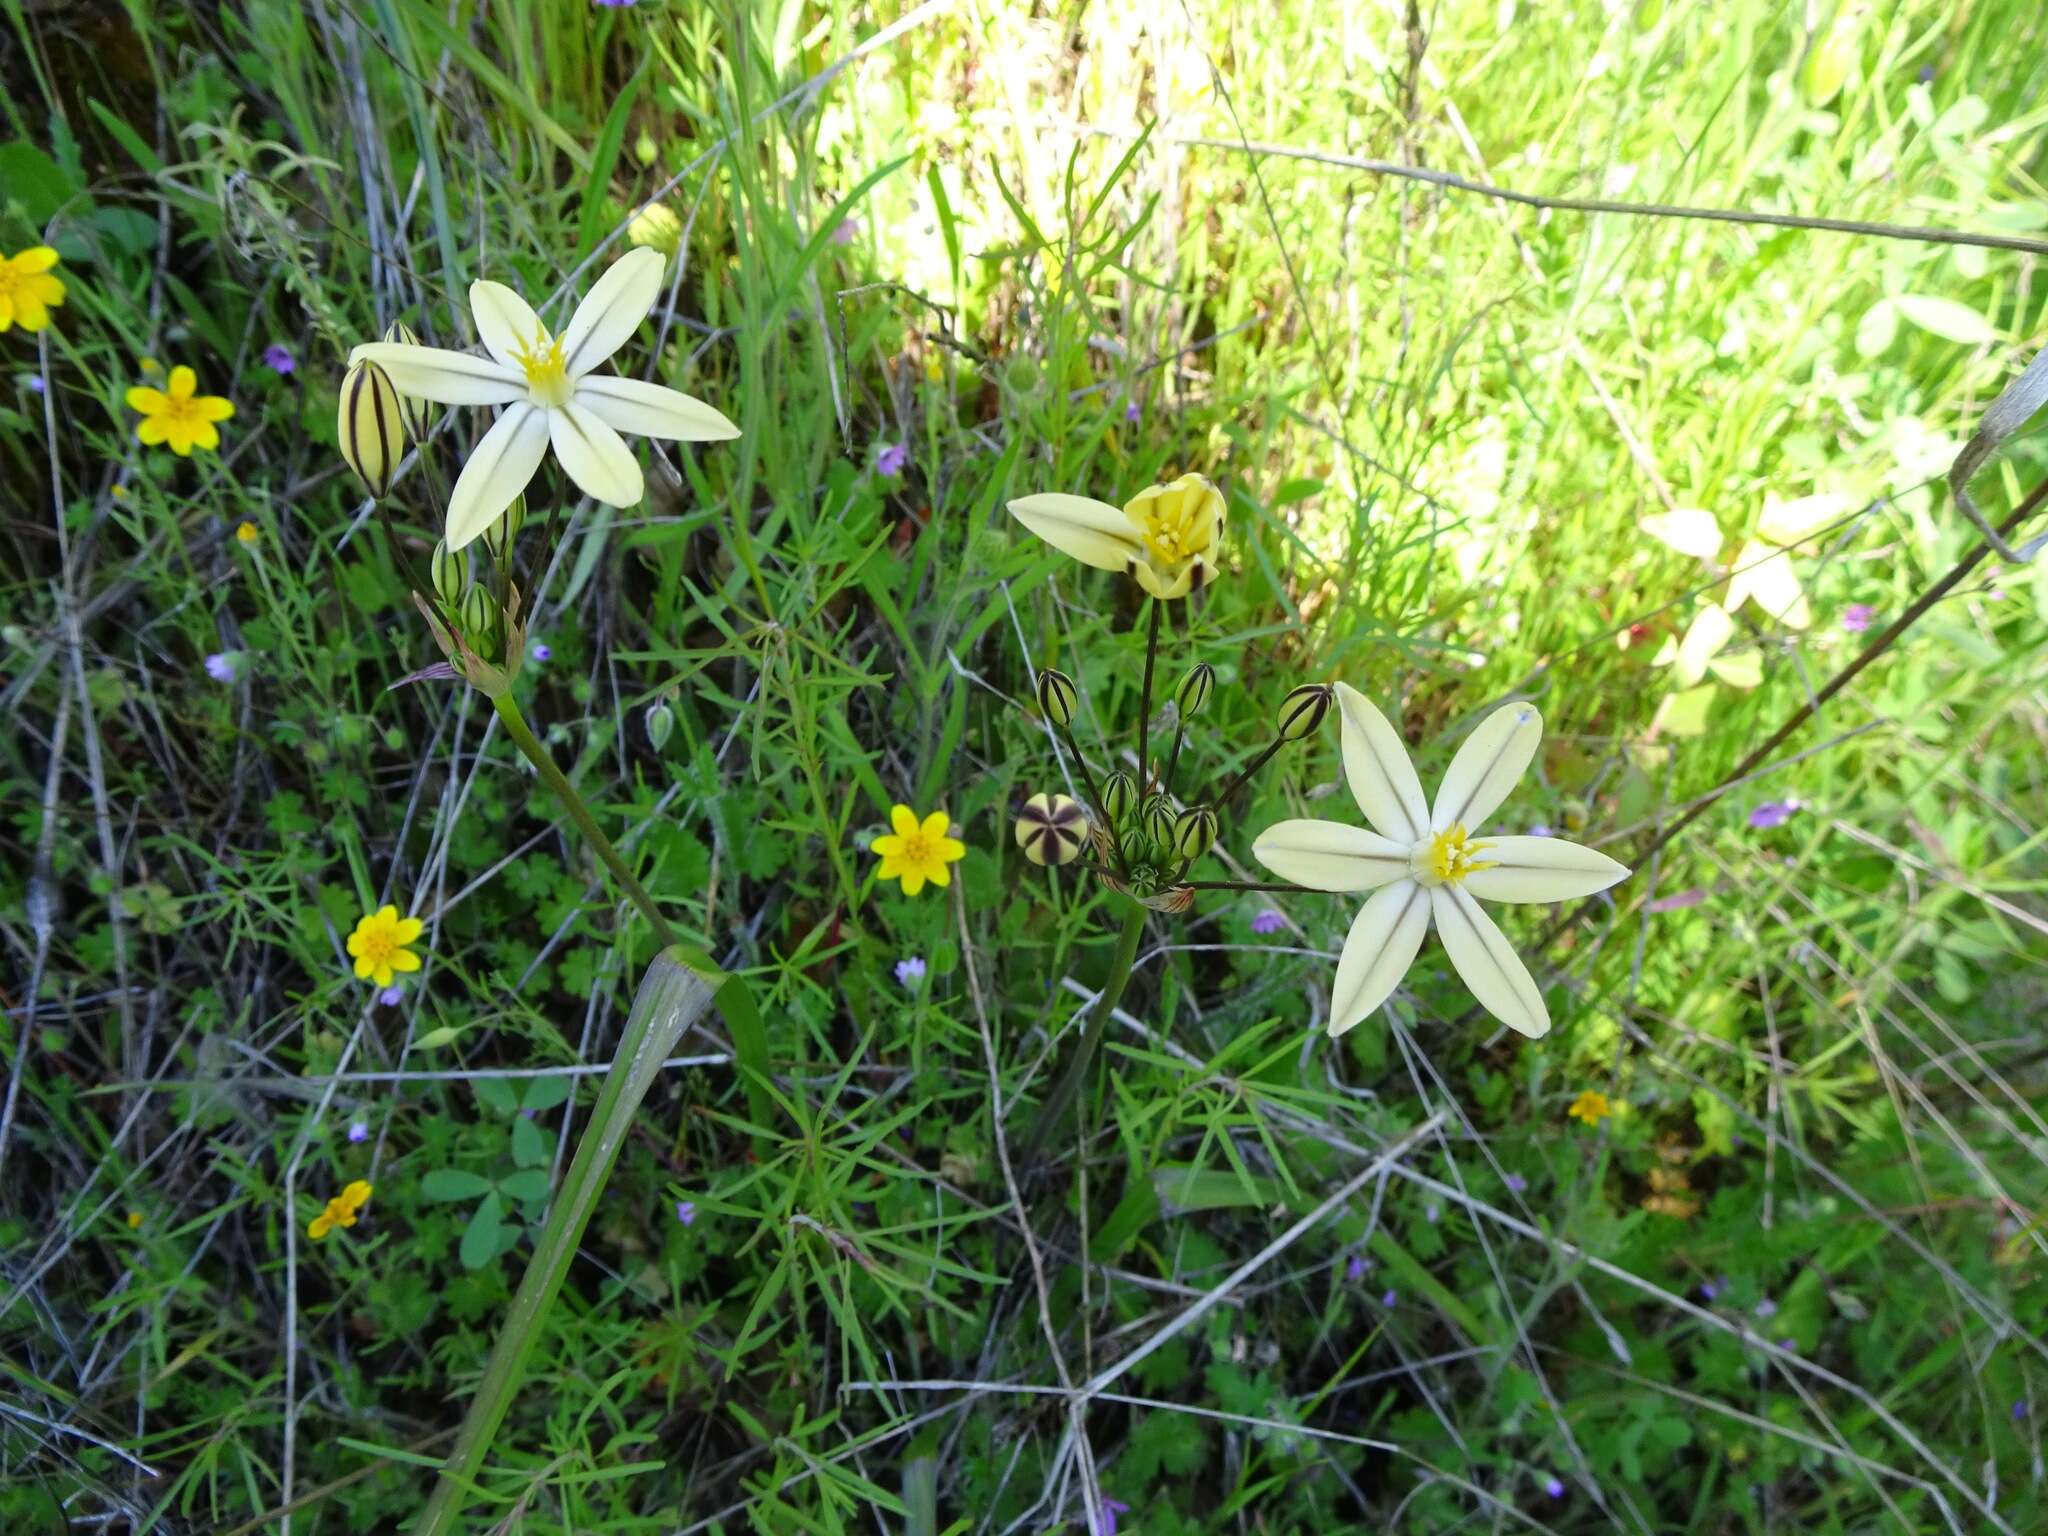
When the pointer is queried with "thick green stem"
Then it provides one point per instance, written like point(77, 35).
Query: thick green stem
point(1068, 1087)
point(673, 995)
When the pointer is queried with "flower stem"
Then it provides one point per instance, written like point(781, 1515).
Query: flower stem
point(1238, 783)
point(1094, 794)
point(1145, 700)
point(1064, 1091)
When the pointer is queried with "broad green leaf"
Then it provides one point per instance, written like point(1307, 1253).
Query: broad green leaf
point(453, 1184)
point(527, 1184)
point(480, 1237)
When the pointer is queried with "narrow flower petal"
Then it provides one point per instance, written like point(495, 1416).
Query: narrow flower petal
point(1329, 856)
point(408, 930)
point(937, 824)
point(595, 456)
point(183, 382)
point(1487, 768)
point(1093, 532)
point(213, 408)
point(1488, 963)
point(37, 258)
point(1377, 952)
point(1540, 869)
point(150, 402)
point(651, 410)
point(449, 378)
point(612, 311)
point(904, 820)
point(500, 469)
point(888, 845)
point(1381, 776)
point(505, 321)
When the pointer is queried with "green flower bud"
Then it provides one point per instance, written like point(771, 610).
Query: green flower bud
point(1058, 697)
point(451, 573)
point(661, 720)
point(1135, 847)
point(656, 227)
point(1194, 830)
point(645, 150)
point(1303, 710)
point(499, 537)
point(1192, 696)
point(480, 622)
point(372, 427)
point(1158, 820)
point(1052, 829)
point(1119, 796)
point(398, 333)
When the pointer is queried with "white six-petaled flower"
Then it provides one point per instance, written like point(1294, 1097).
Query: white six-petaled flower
point(551, 394)
point(1425, 863)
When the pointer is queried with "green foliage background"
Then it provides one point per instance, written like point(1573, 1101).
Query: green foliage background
point(1033, 245)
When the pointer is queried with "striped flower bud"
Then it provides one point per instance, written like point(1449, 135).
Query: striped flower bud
point(451, 573)
point(480, 622)
point(400, 334)
point(1052, 829)
point(500, 536)
point(1158, 820)
point(1302, 711)
point(1058, 697)
point(1192, 696)
point(371, 427)
point(1194, 830)
point(1119, 796)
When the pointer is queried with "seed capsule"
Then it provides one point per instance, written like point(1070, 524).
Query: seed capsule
point(1057, 697)
point(1119, 796)
point(1194, 831)
point(1052, 829)
point(1302, 711)
point(450, 570)
point(371, 426)
point(401, 334)
point(1192, 696)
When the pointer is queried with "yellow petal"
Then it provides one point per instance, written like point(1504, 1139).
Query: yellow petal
point(183, 382)
point(951, 849)
point(651, 410)
point(937, 824)
point(404, 960)
point(888, 845)
point(913, 881)
point(364, 965)
point(146, 400)
point(213, 408)
point(408, 930)
point(37, 258)
point(904, 820)
point(1092, 532)
point(152, 430)
point(940, 875)
point(505, 321)
point(319, 1226)
point(891, 868)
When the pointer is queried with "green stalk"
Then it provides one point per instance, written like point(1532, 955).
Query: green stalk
point(1064, 1091)
point(673, 995)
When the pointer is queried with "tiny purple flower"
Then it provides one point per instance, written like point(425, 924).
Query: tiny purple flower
point(1767, 1308)
point(1355, 1268)
point(1133, 412)
point(540, 650)
point(277, 356)
point(910, 970)
point(220, 666)
point(359, 1130)
point(617, 4)
point(686, 1212)
point(1389, 1299)
point(392, 995)
point(1268, 921)
point(1677, 901)
point(1772, 813)
point(1554, 1487)
point(1433, 1214)
point(846, 231)
point(1857, 616)
point(1111, 1508)
point(1542, 829)
point(36, 384)
point(891, 459)
point(2020, 1410)
point(1517, 1183)
point(1709, 1289)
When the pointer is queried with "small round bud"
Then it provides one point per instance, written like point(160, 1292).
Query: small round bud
point(1135, 847)
point(399, 334)
point(656, 227)
point(1192, 696)
point(1303, 710)
point(1052, 829)
point(1058, 697)
point(451, 573)
point(371, 426)
point(660, 721)
point(500, 536)
point(1194, 831)
point(480, 622)
point(1119, 796)
point(1158, 820)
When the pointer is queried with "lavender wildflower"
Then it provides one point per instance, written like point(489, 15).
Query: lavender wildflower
point(910, 970)
point(1268, 921)
point(1111, 1508)
point(1389, 1299)
point(1857, 616)
point(1355, 1268)
point(392, 995)
point(1517, 1183)
point(686, 1212)
point(1767, 1308)
point(1677, 901)
point(891, 459)
point(1554, 1487)
point(1772, 813)
point(359, 1130)
point(220, 666)
point(540, 650)
point(278, 358)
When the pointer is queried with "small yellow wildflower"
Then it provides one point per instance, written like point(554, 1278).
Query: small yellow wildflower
point(341, 1211)
point(29, 290)
point(248, 533)
point(181, 418)
point(378, 945)
point(1591, 1107)
point(134, 1220)
point(917, 851)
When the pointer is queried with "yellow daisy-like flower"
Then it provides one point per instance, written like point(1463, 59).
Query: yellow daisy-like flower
point(1166, 538)
point(379, 945)
point(341, 1211)
point(918, 851)
point(248, 533)
point(29, 290)
point(1591, 1107)
point(181, 418)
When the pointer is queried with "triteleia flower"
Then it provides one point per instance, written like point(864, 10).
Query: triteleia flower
point(1591, 1107)
point(686, 1212)
point(379, 945)
point(1772, 813)
point(220, 666)
point(1554, 1487)
point(1425, 864)
point(1167, 537)
point(1268, 921)
point(392, 995)
point(540, 650)
point(180, 418)
point(891, 459)
point(551, 394)
point(277, 357)
point(910, 970)
point(917, 851)
point(29, 290)
point(1355, 1268)
point(341, 1211)
point(359, 1130)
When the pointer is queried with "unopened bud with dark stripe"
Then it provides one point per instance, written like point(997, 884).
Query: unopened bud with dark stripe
point(1192, 696)
point(451, 573)
point(1158, 820)
point(1119, 796)
point(1194, 830)
point(480, 622)
point(371, 426)
point(500, 536)
point(1303, 710)
point(1058, 697)
point(400, 334)
point(1052, 829)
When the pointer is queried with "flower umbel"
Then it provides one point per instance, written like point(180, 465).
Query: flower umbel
point(341, 1211)
point(29, 290)
point(552, 394)
point(918, 851)
point(1425, 864)
point(180, 418)
point(1166, 537)
point(379, 945)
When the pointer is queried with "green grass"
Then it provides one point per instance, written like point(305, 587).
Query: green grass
point(1440, 419)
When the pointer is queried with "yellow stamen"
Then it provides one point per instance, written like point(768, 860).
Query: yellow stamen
point(547, 371)
point(1448, 857)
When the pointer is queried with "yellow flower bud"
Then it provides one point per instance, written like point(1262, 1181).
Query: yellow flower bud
point(398, 333)
point(1180, 526)
point(1057, 697)
point(1302, 711)
point(1052, 829)
point(371, 426)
